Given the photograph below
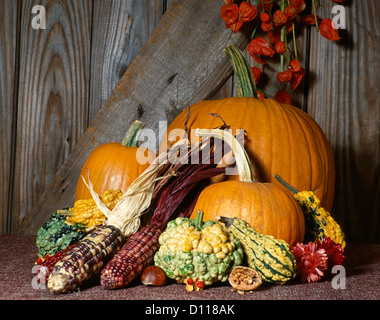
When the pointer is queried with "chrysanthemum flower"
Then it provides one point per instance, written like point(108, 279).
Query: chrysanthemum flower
point(334, 251)
point(311, 261)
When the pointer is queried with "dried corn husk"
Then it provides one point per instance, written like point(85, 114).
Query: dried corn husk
point(241, 157)
point(136, 200)
point(140, 195)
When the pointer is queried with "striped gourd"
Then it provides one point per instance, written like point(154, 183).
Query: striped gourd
point(271, 257)
point(318, 222)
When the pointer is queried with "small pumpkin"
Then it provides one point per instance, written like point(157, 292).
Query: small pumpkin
point(280, 139)
point(115, 165)
point(268, 208)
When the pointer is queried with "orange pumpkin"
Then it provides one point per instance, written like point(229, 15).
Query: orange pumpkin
point(115, 165)
point(268, 208)
point(279, 139)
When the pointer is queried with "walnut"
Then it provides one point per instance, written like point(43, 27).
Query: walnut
point(244, 279)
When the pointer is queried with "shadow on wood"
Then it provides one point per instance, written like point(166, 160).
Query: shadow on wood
point(181, 63)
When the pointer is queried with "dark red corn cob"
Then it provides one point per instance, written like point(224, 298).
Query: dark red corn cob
point(136, 254)
point(85, 259)
point(176, 196)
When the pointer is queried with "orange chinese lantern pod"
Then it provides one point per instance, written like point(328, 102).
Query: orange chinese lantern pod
point(115, 165)
point(267, 207)
point(279, 138)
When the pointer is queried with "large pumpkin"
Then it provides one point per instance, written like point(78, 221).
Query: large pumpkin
point(280, 139)
point(115, 165)
point(268, 208)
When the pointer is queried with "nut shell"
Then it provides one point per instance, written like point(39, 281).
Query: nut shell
point(244, 278)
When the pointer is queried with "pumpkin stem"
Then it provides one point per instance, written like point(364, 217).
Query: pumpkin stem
point(225, 220)
point(285, 184)
point(131, 137)
point(199, 220)
point(245, 83)
point(241, 157)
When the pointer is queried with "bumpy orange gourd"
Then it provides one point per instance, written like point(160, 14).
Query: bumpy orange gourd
point(279, 139)
point(115, 165)
point(268, 208)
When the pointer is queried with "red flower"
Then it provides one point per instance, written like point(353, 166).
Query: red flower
point(295, 66)
point(274, 36)
point(328, 29)
point(264, 17)
point(310, 19)
point(230, 14)
point(235, 16)
point(284, 76)
point(290, 13)
point(294, 74)
point(289, 27)
point(280, 47)
point(279, 18)
point(333, 250)
point(283, 97)
point(299, 5)
point(310, 261)
point(247, 12)
point(259, 46)
point(256, 74)
point(266, 26)
point(297, 77)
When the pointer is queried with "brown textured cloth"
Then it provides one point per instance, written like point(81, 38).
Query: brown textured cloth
point(18, 254)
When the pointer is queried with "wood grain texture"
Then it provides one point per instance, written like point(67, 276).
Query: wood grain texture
point(67, 70)
point(344, 99)
point(54, 82)
point(120, 28)
point(53, 90)
point(8, 93)
point(180, 64)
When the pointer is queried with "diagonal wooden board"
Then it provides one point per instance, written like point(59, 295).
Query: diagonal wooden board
point(181, 63)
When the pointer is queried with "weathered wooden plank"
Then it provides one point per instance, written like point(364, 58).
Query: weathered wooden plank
point(120, 28)
point(180, 64)
point(344, 99)
point(53, 95)
point(8, 92)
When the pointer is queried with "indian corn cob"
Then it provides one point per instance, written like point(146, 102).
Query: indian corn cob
point(319, 223)
point(176, 197)
point(85, 259)
point(100, 244)
point(48, 262)
point(132, 259)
